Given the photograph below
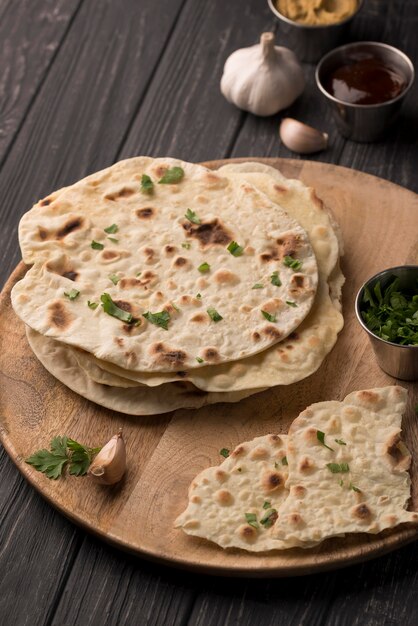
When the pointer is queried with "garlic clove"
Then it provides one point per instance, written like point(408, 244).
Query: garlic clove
point(109, 465)
point(301, 138)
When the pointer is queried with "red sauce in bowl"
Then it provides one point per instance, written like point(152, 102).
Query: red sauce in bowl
point(365, 79)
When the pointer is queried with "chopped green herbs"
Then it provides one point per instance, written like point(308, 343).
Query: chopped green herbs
point(198, 295)
point(269, 518)
point(354, 488)
point(321, 438)
point(192, 217)
point(204, 267)
point(294, 264)
point(72, 295)
point(199, 359)
point(96, 245)
point(111, 230)
point(114, 278)
point(186, 245)
point(160, 319)
point(340, 442)
point(147, 186)
point(92, 305)
point(113, 240)
point(268, 316)
point(138, 274)
point(235, 249)
point(224, 452)
point(267, 505)
point(337, 468)
point(63, 451)
point(172, 176)
point(112, 309)
point(284, 461)
point(392, 314)
point(257, 286)
point(291, 303)
point(341, 482)
point(213, 314)
point(252, 520)
point(275, 280)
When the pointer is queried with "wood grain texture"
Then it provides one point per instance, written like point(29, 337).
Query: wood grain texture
point(166, 452)
point(30, 35)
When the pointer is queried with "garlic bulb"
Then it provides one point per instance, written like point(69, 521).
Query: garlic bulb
point(262, 79)
point(302, 138)
point(109, 465)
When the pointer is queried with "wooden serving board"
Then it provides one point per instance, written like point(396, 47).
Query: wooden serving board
point(379, 226)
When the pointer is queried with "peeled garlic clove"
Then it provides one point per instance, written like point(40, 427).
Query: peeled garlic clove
point(109, 465)
point(301, 138)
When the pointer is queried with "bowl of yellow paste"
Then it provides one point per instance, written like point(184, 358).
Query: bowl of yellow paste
point(313, 27)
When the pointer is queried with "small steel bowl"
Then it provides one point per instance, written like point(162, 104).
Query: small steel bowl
point(364, 122)
point(310, 43)
point(396, 360)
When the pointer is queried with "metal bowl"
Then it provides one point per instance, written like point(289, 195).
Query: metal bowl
point(364, 122)
point(396, 360)
point(310, 43)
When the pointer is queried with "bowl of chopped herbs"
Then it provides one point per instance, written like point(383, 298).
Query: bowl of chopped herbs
point(387, 309)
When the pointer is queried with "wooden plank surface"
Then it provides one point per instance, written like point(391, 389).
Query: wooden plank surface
point(54, 163)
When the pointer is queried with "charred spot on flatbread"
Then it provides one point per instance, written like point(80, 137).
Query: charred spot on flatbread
point(58, 316)
point(211, 354)
point(362, 512)
point(272, 332)
point(146, 213)
point(45, 202)
point(69, 227)
point(286, 245)
point(125, 192)
point(164, 355)
point(213, 233)
point(62, 267)
point(272, 480)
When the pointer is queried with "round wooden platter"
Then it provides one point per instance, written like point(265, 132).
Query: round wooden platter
point(378, 222)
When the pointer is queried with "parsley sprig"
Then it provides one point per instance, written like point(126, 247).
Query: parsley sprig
point(64, 452)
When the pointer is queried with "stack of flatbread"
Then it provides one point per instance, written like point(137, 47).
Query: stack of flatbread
point(158, 284)
point(342, 468)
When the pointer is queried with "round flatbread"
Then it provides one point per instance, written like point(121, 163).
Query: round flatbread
point(205, 269)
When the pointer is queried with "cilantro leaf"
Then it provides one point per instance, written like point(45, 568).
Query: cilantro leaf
point(291, 303)
point(204, 267)
point(111, 230)
point(213, 314)
point(321, 438)
point(186, 244)
point(267, 505)
point(199, 359)
point(268, 316)
point(112, 309)
point(172, 176)
point(160, 319)
point(269, 518)
point(354, 488)
point(294, 264)
point(48, 462)
point(81, 457)
point(63, 451)
point(252, 520)
point(114, 278)
point(337, 468)
point(284, 461)
point(224, 452)
point(147, 186)
point(113, 240)
point(257, 286)
point(92, 305)
point(192, 217)
point(72, 295)
point(275, 280)
point(235, 249)
point(96, 245)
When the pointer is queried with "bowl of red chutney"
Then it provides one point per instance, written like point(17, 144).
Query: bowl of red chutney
point(365, 84)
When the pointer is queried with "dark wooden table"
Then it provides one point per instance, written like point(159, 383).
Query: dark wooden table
point(84, 83)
